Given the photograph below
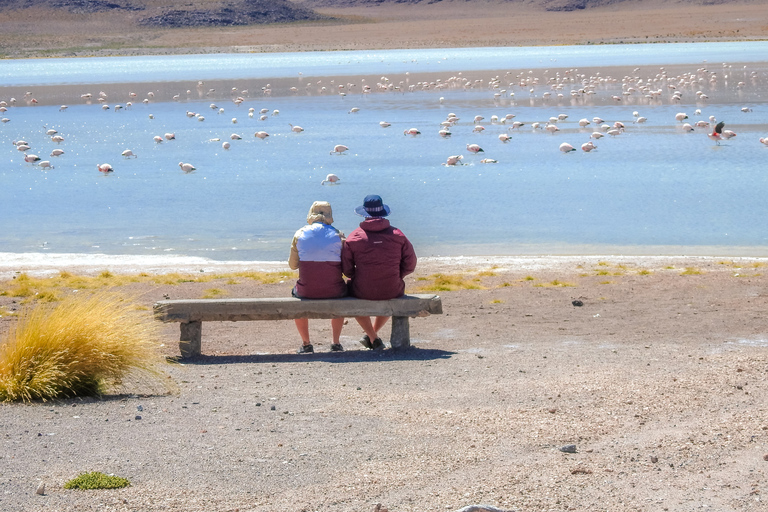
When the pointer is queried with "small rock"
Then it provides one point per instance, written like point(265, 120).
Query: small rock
point(577, 303)
point(139, 408)
point(552, 410)
point(137, 417)
point(765, 457)
point(272, 408)
point(569, 448)
point(40, 489)
point(654, 459)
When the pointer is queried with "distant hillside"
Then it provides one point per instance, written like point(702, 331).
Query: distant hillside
point(213, 13)
point(196, 13)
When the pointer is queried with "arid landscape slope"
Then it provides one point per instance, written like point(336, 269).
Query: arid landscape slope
point(47, 28)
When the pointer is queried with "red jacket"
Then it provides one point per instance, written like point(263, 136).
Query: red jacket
point(376, 257)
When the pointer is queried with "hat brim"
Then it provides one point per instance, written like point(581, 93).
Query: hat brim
point(360, 210)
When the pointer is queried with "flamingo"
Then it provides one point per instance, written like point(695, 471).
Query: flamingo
point(478, 129)
point(453, 160)
point(504, 137)
point(187, 167)
point(681, 116)
point(339, 149)
point(63, 108)
point(717, 134)
point(474, 148)
point(331, 178)
point(384, 124)
point(261, 135)
point(588, 146)
point(157, 139)
point(225, 145)
point(170, 136)
point(57, 139)
point(105, 168)
point(296, 129)
point(411, 131)
point(444, 133)
point(764, 140)
point(517, 124)
point(584, 122)
point(728, 134)
point(353, 110)
point(45, 164)
point(552, 128)
point(128, 154)
point(57, 152)
point(596, 135)
point(31, 158)
point(235, 136)
point(687, 127)
point(488, 161)
point(566, 148)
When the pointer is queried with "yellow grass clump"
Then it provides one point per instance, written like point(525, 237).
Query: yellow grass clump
point(449, 283)
point(83, 345)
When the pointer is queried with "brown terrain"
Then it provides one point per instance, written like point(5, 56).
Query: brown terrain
point(45, 28)
point(659, 380)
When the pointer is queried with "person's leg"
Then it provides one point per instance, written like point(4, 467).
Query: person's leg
point(365, 323)
point(336, 325)
point(379, 323)
point(302, 324)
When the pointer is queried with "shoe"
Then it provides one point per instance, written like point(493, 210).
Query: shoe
point(306, 349)
point(336, 347)
point(378, 344)
point(366, 341)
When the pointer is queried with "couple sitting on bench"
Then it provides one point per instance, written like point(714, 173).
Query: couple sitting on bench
point(375, 257)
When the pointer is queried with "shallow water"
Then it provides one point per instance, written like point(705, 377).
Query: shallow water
point(651, 189)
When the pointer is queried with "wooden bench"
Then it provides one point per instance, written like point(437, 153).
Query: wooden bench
point(193, 312)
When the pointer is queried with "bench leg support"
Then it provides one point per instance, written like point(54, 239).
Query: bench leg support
point(190, 340)
point(401, 335)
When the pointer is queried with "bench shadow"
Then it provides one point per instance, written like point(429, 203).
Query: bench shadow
point(349, 356)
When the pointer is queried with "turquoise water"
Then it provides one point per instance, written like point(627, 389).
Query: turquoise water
point(652, 189)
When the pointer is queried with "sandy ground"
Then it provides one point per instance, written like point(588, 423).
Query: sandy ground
point(442, 25)
point(660, 380)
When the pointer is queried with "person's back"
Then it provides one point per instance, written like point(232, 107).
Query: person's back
point(376, 258)
point(318, 247)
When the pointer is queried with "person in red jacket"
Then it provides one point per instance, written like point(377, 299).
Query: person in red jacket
point(375, 258)
point(316, 253)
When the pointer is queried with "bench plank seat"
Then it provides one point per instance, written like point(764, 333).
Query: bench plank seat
point(192, 312)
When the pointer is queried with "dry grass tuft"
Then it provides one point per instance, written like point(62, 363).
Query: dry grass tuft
point(449, 283)
point(84, 345)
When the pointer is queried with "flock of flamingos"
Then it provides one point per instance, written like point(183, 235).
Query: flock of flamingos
point(549, 88)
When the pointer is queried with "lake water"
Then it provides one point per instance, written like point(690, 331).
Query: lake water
point(653, 189)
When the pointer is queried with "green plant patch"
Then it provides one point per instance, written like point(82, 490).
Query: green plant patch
point(97, 480)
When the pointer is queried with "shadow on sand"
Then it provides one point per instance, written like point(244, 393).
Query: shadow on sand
point(350, 356)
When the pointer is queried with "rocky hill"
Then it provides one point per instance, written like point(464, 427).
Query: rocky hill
point(221, 13)
point(181, 14)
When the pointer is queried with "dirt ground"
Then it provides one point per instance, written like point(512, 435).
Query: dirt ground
point(445, 24)
point(659, 378)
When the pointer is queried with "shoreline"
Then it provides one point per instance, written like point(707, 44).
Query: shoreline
point(12, 264)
